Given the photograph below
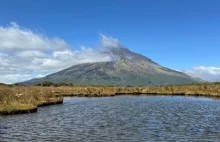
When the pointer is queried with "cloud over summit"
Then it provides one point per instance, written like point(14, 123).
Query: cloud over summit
point(109, 42)
point(25, 54)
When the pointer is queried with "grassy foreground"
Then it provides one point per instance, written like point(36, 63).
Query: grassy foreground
point(21, 99)
point(26, 99)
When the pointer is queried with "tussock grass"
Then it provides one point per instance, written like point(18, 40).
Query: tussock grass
point(16, 98)
point(209, 90)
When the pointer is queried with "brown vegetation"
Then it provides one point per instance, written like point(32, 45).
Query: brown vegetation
point(27, 98)
point(208, 90)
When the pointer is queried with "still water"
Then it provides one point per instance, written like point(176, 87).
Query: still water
point(122, 118)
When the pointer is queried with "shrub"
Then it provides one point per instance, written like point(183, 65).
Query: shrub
point(47, 83)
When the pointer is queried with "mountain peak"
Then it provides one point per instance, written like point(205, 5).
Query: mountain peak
point(124, 54)
point(126, 69)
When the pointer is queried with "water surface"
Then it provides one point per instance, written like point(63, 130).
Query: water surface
point(122, 118)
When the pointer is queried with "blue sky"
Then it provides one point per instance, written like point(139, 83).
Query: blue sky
point(181, 35)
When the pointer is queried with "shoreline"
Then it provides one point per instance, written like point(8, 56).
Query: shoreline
point(30, 110)
point(140, 94)
point(35, 109)
point(50, 103)
point(14, 112)
point(26, 99)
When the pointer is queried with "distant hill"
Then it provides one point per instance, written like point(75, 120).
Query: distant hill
point(126, 69)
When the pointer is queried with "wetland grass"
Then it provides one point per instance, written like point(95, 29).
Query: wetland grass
point(26, 99)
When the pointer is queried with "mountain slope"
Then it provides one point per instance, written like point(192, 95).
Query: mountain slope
point(126, 69)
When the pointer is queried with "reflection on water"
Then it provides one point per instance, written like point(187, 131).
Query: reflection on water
point(123, 118)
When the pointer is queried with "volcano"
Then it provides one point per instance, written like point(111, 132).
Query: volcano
point(125, 69)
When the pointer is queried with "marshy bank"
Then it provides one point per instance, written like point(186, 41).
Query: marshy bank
point(206, 90)
point(26, 99)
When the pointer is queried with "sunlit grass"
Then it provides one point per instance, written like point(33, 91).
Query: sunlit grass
point(14, 98)
point(16, 106)
point(201, 90)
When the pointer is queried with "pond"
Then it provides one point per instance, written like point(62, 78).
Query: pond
point(121, 118)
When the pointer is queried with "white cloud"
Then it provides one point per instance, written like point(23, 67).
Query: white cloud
point(205, 73)
point(109, 42)
point(14, 37)
point(31, 54)
point(40, 75)
point(14, 24)
point(12, 78)
point(25, 54)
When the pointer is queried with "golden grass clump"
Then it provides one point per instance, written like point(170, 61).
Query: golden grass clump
point(16, 98)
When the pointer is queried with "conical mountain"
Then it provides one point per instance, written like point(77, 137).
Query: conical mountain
point(126, 69)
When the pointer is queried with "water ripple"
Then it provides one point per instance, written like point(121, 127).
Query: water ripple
point(124, 118)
